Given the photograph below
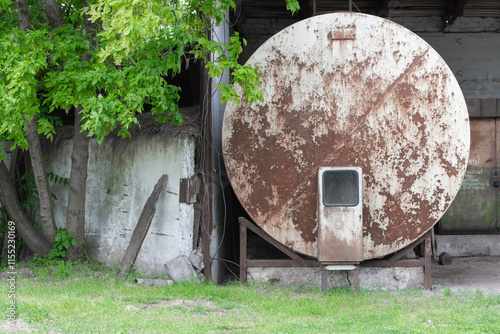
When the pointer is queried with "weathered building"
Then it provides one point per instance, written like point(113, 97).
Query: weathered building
point(466, 33)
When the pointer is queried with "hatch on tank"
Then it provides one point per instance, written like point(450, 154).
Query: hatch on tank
point(340, 214)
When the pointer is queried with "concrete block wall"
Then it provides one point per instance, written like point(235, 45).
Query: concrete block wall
point(5, 147)
point(468, 245)
point(392, 278)
point(118, 185)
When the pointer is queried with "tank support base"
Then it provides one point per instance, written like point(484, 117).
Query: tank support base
point(296, 260)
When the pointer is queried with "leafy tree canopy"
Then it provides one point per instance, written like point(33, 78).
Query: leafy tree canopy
point(109, 58)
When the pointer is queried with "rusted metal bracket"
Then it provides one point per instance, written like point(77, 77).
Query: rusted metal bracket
point(395, 260)
point(296, 260)
point(398, 255)
point(188, 190)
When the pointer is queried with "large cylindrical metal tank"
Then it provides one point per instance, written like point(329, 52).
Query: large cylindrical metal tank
point(348, 89)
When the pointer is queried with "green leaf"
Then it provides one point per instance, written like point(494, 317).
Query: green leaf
point(293, 6)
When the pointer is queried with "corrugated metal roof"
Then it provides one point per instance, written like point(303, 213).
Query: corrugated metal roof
point(443, 8)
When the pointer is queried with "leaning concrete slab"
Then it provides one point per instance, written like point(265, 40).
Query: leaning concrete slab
point(154, 282)
point(196, 259)
point(180, 269)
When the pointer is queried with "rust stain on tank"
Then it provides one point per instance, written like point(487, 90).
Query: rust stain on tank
point(389, 105)
point(342, 34)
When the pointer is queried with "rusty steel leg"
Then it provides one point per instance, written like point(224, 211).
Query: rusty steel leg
point(427, 261)
point(324, 281)
point(243, 253)
point(355, 278)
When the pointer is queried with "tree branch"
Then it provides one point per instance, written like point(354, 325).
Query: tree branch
point(15, 211)
point(47, 217)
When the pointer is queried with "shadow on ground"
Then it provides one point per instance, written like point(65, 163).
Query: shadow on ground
point(468, 273)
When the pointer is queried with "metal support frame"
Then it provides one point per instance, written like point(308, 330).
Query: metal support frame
point(394, 260)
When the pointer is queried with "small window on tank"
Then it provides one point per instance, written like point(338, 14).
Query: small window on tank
point(340, 188)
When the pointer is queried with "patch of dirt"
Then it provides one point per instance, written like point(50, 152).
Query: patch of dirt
point(195, 305)
point(184, 302)
point(19, 326)
point(469, 273)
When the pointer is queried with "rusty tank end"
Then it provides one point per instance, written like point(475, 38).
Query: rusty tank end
point(349, 89)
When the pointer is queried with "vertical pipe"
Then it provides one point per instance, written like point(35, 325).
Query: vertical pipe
point(207, 211)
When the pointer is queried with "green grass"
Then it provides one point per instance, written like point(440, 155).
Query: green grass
point(83, 298)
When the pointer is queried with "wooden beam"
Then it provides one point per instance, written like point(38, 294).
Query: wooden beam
point(280, 263)
point(400, 263)
point(455, 10)
point(142, 227)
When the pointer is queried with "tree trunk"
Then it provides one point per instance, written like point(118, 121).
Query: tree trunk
point(75, 220)
point(42, 183)
point(53, 13)
point(38, 244)
point(142, 227)
point(48, 221)
point(22, 14)
point(29, 233)
point(13, 163)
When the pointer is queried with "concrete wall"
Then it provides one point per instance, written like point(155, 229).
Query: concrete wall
point(220, 183)
point(5, 147)
point(468, 245)
point(470, 47)
point(120, 180)
point(369, 278)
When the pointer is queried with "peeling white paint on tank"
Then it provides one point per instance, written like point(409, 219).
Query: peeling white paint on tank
point(349, 89)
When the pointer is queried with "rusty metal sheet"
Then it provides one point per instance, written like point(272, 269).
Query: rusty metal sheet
point(475, 208)
point(474, 107)
point(188, 190)
point(488, 107)
point(376, 96)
